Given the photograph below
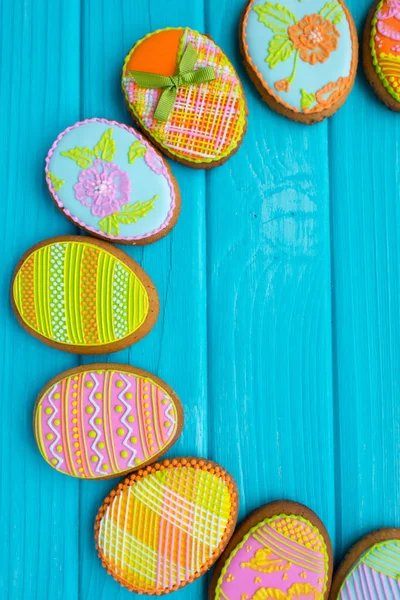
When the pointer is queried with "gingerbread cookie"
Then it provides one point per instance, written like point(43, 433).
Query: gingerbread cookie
point(162, 528)
point(184, 93)
point(281, 552)
point(371, 570)
point(301, 56)
point(82, 295)
point(381, 51)
point(110, 182)
point(105, 420)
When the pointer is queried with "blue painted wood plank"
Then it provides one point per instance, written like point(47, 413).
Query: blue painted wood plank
point(364, 162)
point(269, 320)
point(244, 334)
point(176, 349)
point(39, 94)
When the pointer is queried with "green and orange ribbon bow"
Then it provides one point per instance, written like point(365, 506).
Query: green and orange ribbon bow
point(170, 84)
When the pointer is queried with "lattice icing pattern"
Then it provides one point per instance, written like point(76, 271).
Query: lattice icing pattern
point(162, 529)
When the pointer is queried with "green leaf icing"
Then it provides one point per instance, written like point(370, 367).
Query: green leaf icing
point(275, 16)
point(56, 183)
point(280, 49)
point(136, 151)
point(109, 225)
point(130, 213)
point(106, 147)
point(332, 11)
point(307, 100)
point(82, 156)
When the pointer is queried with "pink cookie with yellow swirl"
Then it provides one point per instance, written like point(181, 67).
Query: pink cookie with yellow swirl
point(281, 552)
point(104, 420)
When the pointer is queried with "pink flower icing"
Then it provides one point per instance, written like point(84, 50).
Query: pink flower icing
point(389, 10)
point(155, 163)
point(104, 187)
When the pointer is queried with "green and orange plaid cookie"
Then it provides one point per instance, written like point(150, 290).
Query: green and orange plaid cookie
point(185, 95)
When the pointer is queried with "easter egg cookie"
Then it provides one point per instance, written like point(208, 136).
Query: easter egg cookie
point(108, 180)
point(371, 570)
point(184, 93)
point(82, 295)
point(381, 51)
point(281, 552)
point(105, 420)
point(301, 56)
point(164, 527)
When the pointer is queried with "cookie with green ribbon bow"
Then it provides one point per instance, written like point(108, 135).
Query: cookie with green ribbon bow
point(186, 96)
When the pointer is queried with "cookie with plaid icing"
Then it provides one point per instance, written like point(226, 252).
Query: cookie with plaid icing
point(371, 569)
point(108, 180)
point(83, 295)
point(103, 420)
point(281, 552)
point(301, 56)
point(184, 93)
point(165, 526)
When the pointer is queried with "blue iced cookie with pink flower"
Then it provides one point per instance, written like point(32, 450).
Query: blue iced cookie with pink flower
point(108, 180)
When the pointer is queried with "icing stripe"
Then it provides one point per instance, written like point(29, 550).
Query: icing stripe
point(382, 558)
point(56, 433)
point(46, 291)
point(99, 299)
point(307, 553)
point(67, 419)
point(141, 425)
point(124, 420)
point(107, 394)
point(171, 414)
point(89, 287)
point(146, 449)
point(153, 394)
point(92, 422)
point(41, 441)
point(64, 432)
point(110, 308)
point(28, 304)
point(76, 296)
point(57, 292)
point(284, 552)
point(85, 457)
point(38, 273)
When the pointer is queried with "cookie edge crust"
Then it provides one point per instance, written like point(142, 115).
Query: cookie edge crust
point(265, 512)
point(193, 163)
point(356, 551)
point(278, 106)
point(125, 369)
point(201, 463)
point(141, 332)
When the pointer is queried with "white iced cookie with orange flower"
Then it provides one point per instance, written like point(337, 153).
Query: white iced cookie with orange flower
point(301, 56)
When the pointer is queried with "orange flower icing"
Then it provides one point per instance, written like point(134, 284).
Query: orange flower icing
point(314, 37)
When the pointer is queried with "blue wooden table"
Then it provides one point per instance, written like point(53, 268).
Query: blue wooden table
point(279, 324)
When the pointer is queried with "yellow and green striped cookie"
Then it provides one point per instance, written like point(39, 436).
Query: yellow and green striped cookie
point(83, 296)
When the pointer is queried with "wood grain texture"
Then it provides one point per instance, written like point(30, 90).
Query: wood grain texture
point(279, 293)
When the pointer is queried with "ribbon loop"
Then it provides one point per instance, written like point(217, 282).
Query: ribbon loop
point(186, 75)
